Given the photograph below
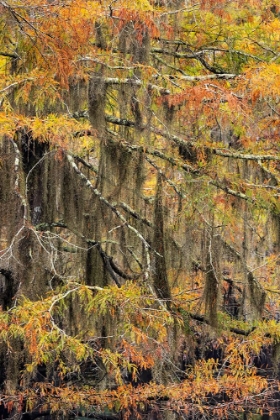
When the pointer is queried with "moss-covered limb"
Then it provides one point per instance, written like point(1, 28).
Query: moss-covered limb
point(174, 162)
point(179, 141)
point(229, 247)
point(10, 88)
point(218, 73)
point(128, 123)
point(97, 97)
point(135, 82)
point(199, 55)
point(119, 121)
point(48, 226)
point(269, 175)
point(157, 153)
point(134, 147)
point(134, 214)
point(245, 156)
point(189, 55)
point(170, 66)
point(233, 51)
point(205, 49)
point(182, 143)
point(262, 204)
point(234, 193)
point(263, 186)
point(86, 164)
point(109, 264)
point(179, 193)
point(80, 114)
point(121, 273)
point(204, 320)
point(73, 287)
point(114, 209)
point(139, 263)
point(212, 150)
point(189, 144)
point(113, 269)
point(110, 81)
point(98, 194)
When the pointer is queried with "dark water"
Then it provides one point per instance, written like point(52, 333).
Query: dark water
point(250, 416)
point(168, 415)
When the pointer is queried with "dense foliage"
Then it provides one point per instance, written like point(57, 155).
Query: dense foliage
point(139, 206)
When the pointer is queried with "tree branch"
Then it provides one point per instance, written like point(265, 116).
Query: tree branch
point(238, 331)
point(113, 208)
point(109, 264)
point(11, 55)
point(86, 164)
point(134, 214)
point(180, 194)
point(218, 72)
point(180, 142)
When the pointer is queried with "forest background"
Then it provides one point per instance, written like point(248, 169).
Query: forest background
point(139, 207)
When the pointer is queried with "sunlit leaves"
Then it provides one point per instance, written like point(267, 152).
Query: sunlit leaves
point(58, 131)
point(190, 396)
point(264, 81)
point(141, 327)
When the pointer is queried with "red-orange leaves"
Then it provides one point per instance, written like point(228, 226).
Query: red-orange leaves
point(208, 101)
point(141, 22)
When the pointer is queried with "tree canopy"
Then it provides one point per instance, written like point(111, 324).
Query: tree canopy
point(139, 207)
